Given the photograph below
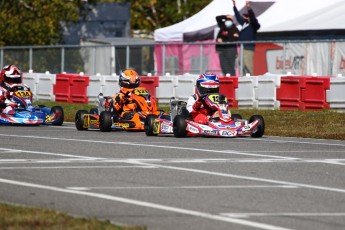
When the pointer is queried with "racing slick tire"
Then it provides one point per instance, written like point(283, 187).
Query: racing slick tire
point(179, 126)
point(149, 125)
point(236, 116)
point(105, 121)
point(94, 111)
point(79, 120)
point(60, 119)
point(260, 129)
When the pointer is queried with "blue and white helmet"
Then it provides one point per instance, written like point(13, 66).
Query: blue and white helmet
point(207, 83)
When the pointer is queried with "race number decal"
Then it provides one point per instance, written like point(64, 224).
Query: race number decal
point(214, 98)
point(141, 91)
point(23, 93)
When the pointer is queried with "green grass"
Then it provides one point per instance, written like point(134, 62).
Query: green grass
point(25, 218)
point(322, 124)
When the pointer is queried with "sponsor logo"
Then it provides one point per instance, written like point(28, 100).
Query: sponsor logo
point(165, 127)
point(226, 133)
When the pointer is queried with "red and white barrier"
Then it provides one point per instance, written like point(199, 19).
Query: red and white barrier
point(268, 91)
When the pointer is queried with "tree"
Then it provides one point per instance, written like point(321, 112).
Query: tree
point(37, 22)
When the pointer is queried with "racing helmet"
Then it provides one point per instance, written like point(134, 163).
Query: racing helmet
point(129, 79)
point(10, 75)
point(207, 83)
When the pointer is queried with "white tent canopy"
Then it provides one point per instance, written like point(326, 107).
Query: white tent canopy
point(282, 15)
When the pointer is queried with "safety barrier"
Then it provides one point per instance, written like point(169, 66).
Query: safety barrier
point(71, 88)
point(268, 91)
point(336, 94)
point(228, 87)
point(303, 93)
point(150, 83)
point(41, 85)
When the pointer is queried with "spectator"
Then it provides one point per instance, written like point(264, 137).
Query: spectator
point(250, 26)
point(227, 52)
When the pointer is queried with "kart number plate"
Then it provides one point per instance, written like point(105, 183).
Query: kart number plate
point(23, 93)
point(230, 133)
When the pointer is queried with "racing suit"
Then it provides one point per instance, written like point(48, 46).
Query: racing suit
point(6, 104)
point(123, 102)
point(198, 110)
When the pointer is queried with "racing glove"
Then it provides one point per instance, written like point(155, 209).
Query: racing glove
point(197, 105)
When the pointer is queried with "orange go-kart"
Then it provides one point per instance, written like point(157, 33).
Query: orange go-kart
point(132, 115)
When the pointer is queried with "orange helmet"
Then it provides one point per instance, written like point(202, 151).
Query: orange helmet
point(10, 74)
point(129, 79)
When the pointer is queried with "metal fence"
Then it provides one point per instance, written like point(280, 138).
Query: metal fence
point(325, 57)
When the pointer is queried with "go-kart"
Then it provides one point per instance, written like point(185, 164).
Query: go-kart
point(27, 114)
point(221, 123)
point(106, 118)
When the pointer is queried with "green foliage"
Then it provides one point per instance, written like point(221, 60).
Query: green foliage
point(36, 22)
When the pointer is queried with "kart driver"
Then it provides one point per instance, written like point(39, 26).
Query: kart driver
point(9, 75)
point(129, 80)
point(206, 83)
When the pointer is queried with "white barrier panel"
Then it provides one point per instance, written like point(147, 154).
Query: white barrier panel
point(266, 91)
point(245, 93)
point(41, 85)
point(166, 88)
point(185, 86)
point(110, 85)
point(335, 96)
point(95, 87)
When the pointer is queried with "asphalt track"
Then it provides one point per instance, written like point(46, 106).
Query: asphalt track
point(167, 183)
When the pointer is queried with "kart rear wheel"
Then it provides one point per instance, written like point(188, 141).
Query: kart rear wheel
point(94, 111)
point(260, 129)
point(105, 121)
point(179, 126)
point(79, 119)
point(57, 110)
point(236, 116)
point(148, 125)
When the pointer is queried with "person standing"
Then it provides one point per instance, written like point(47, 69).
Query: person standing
point(227, 52)
point(250, 26)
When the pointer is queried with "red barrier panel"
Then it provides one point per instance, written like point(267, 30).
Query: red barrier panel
point(227, 87)
point(289, 93)
point(303, 93)
point(61, 88)
point(314, 93)
point(150, 83)
point(71, 88)
point(78, 90)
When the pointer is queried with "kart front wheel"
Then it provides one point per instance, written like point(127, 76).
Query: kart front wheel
point(260, 129)
point(57, 112)
point(79, 120)
point(94, 111)
point(179, 126)
point(236, 116)
point(105, 121)
point(149, 124)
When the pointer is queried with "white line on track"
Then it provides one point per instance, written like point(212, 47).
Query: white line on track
point(329, 189)
point(6, 150)
point(82, 167)
point(247, 223)
point(149, 145)
point(182, 187)
point(247, 215)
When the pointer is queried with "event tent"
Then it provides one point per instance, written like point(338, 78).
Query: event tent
point(302, 19)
